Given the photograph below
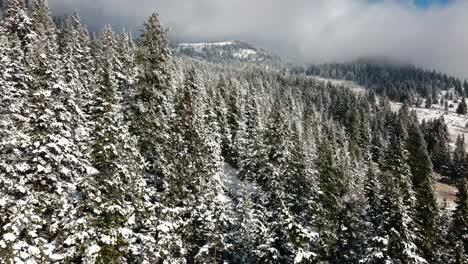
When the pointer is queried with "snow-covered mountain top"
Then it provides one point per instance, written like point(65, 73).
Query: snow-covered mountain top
point(224, 52)
point(208, 44)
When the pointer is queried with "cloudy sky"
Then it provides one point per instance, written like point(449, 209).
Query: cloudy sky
point(429, 33)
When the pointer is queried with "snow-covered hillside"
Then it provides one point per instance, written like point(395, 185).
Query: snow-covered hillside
point(227, 51)
point(456, 125)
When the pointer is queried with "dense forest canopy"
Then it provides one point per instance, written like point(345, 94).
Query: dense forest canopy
point(114, 151)
point(399, 82)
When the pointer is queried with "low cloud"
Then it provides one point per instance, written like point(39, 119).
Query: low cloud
point(307, 31)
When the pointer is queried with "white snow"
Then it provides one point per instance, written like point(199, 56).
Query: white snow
point(94, 249)
point(22, 167)
point(9, 237)
point(35, 251)
point(348, 84)
point(200, 46)
point(455, 123)
point(21, 189)
point(244, 53)
point(91, 171)
point(3, 202)
point(165, 227)
point(69, 241)
point(107, 240)
point(126, 233)
point(233, 185)
point(302, 255)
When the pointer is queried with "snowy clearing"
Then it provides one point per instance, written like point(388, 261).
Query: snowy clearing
point(455, 123)
point(348, 84)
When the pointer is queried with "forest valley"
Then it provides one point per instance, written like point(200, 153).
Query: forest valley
point(115, 151)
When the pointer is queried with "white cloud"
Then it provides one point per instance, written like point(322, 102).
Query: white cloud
point(318, 31)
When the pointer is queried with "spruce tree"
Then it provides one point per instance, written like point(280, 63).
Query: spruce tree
point(41, 163)
point(152, 107)
point(194, 182)
point(106, 224)
point(397, 204)
point(334, 179)
point(459, 227)
point(462, 107)
point(459, 168)
point(426, 210)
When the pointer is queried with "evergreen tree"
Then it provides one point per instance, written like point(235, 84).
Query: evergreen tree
point(426, 210)
point(397, 205)
point(462, 107)
point(42, 161)
point(459, 228)
point(152, 107)
point(376, 240)
point(459, 168)
point(334, 179)
point(194, 183)
point(113, 206)
point(428, 102)
point(436, 136)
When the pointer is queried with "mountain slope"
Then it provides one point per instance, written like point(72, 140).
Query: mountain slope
point(224, 52)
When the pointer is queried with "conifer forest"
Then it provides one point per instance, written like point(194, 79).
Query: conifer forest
point(117, 148)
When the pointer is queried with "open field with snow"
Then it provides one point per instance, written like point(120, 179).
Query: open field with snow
point(348, 84)
point(456, 123)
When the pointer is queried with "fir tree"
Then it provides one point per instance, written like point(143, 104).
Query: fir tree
point(152, 108)
point(397, 204)
point(426, 210)
point(194, 183)
point(458, 161)
point(113, 208)
point(462, 107)
point(459, 228)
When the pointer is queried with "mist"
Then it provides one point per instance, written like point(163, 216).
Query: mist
point(316, 31)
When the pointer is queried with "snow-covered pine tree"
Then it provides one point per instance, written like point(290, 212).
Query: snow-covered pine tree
point(127, 76)
point(397, 204)
point(459, 226)
point(334, 175)
point(426, 210)
point(458, 165)
point(376, 242)
point(354, 227)
point(193, 184)
point(75, 49)
point(46, 160)
point(249, 227)
point(236, 122)
point(271, 177)
point(462, 107)
point(112, 221)
point(152, 106)
point(254, 149)
point(221, 110)
point(436, 136)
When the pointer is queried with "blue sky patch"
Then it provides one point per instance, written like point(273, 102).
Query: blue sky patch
point(429, 3)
